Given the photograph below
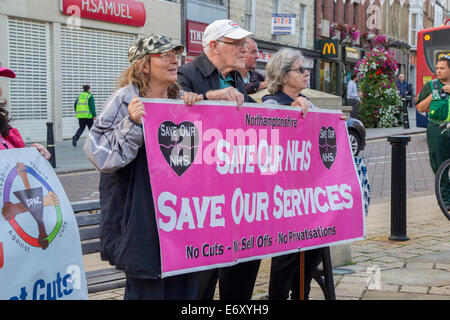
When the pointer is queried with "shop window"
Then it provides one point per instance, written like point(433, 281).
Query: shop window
point(302, 26)
point(29, 57)
point(249, 15)
point(328, 77)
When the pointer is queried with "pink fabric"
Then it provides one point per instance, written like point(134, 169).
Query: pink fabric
point(216, 212)
point(4, 72)
point(13, 140)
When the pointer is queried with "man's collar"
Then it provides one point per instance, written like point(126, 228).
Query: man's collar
point(205, 65)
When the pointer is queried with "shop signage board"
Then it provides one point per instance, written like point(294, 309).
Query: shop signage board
point(194, 36)
point(328, 48)
point(352, 54)
point(128, 12)
point(283, 23)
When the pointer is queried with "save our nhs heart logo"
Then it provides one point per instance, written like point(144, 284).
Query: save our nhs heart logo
point(327, 146)
point(178, 144)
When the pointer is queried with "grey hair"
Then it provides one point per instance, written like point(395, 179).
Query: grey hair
point(278, 65)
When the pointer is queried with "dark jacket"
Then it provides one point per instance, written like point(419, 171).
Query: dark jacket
point(201, 76)
point(255, 80)
point(282, 98)
point(128, 233)
point(403, 88)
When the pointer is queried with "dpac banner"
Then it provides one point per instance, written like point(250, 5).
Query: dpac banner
point(40, 250)
point(234, 185)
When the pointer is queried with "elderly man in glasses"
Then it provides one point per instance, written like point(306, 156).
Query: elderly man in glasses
point(214, 75)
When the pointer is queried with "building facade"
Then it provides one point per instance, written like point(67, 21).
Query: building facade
point(55, 50)
point(395, 25)
point(258, 16)
point(339, 25)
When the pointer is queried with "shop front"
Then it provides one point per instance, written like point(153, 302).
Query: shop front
point(329, 78)
point(351, 57)
point(56, 47)
point(194, 35)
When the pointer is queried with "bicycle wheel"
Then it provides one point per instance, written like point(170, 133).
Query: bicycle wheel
point(442, 187)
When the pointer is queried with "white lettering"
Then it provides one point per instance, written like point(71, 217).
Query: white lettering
point(167, 211)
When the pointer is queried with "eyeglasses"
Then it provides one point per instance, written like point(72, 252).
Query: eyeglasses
point(168, 56)
point(302, 70)
point(445, 56)
point(240, 45)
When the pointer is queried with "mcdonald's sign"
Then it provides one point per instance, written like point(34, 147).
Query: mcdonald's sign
point(328, 48)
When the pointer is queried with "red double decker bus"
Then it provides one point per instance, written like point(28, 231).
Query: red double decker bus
point(431, 45)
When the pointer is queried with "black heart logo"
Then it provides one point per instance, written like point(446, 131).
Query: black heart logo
point(327, 146)
point(178, 144)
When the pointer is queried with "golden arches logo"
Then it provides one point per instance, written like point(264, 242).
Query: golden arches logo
point(328, 47)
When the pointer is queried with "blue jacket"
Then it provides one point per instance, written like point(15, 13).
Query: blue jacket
point(403, 88)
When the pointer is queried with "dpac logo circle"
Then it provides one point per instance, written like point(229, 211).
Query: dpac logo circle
point(32, 201)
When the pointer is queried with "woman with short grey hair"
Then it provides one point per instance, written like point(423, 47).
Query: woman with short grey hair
point(277, 67)
point(286, 77)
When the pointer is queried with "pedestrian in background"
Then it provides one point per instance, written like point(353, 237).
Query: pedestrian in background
point(353, 95)
point(254, 81)
point(115, 145)
point(85, 112)
point(403, 88)
point(213, 74)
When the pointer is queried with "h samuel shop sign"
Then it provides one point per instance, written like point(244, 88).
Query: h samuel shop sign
point(127, 12)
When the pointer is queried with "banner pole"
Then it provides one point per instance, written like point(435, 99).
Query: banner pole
point(302, 275)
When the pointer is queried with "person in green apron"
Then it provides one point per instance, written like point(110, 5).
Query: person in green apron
point(434, 99)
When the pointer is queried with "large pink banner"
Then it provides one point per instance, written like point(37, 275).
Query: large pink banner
point(234, 185)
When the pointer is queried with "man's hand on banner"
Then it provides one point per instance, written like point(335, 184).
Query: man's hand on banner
point(227, 94)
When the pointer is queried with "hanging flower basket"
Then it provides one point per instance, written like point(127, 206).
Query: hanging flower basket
point(380, 102)
point(348, 34)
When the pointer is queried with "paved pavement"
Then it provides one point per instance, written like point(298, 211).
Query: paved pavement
point(380, 268)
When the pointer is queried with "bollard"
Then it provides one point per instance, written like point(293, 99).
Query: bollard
point(398, 187)
point(405, 114)
point(51, 144)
